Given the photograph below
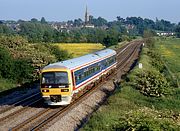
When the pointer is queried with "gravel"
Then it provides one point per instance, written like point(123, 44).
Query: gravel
point(72, 120)
point(9, 123)
point(77, 116)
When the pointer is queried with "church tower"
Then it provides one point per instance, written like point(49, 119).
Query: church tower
point(87, 23)
point(86, 16)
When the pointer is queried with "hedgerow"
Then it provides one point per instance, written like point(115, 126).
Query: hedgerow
point(18, 70)
point(151, 83)
point(145, 101)
point(156, 60)
point(151, 79)
point(146, 119)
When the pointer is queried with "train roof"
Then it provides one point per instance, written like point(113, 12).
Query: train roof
point(83, 60)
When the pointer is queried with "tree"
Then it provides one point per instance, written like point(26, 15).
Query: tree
point(34, 20)
point(59, 53)
point(6, 63)
point(47, 37)
point(43, 21)
point(78, 22)
point(178, 31)
point(122, 20)
point(23, 70)
point(36, 32)
point(101, 21)
point(5, 30)
point(149, 40)
point(109, 41)
point(148, 34)
point(98, 22)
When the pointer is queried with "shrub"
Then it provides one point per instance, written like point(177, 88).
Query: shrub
point(12, 41)
point(146, 119)
point(151, 83)
point(110, 40)
point(59, 53)
point(14, 69)
point(156, 60)
point(6, 63)
point(150, 42)
point(23, 70)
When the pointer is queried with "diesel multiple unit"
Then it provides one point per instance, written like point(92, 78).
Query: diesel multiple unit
point(61, 80)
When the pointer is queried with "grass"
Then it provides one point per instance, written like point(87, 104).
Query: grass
point(128, 109)
point(126, 101)
point(79, 49)
point(169, 49)
point(6, 84)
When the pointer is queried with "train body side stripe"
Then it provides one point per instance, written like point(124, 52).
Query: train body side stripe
point(92, 78)
point(90, 63)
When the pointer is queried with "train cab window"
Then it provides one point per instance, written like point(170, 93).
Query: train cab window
point(55, 78)
point(47, 78)
point(61, 78)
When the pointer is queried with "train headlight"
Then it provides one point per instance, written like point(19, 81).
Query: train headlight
point(45, 90)
point(64, 90)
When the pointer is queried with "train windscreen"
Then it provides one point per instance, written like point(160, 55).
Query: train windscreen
point(55, 78)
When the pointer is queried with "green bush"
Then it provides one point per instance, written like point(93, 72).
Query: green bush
point(14, 69)
point(109, 41)
point(59, 53)
point(23, 70)
point(6, 63)
point(13, 41)
point(146, 119)
point(151, 83)
point(156, 60)
point(20, 49)
point(150, 42)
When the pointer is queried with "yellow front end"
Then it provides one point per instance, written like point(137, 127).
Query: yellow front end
point(56, 86)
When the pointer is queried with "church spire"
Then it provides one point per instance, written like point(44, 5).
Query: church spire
point(86, 16)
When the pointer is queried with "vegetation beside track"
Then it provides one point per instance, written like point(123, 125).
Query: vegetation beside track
point(147, 100)
point(20, 60)
point(169, 49)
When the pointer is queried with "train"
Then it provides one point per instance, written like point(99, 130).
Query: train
point(62, 80)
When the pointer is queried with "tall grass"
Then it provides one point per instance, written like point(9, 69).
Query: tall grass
point(169, 49)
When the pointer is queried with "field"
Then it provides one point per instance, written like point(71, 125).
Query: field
point(79, 49)
point(128, 109)
point(170, 50)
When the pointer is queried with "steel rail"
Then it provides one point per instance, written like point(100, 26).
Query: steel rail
point(61, 111)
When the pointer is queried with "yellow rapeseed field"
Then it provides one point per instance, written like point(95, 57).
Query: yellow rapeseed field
point(166, 52)
point(79, 49)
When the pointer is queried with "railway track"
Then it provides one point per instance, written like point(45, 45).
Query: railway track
point(33, 102)
point(40, 120)
point(22, 102)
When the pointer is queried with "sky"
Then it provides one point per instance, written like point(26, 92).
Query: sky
point(63, 10)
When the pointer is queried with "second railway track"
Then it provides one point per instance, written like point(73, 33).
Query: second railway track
point(40, 120)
